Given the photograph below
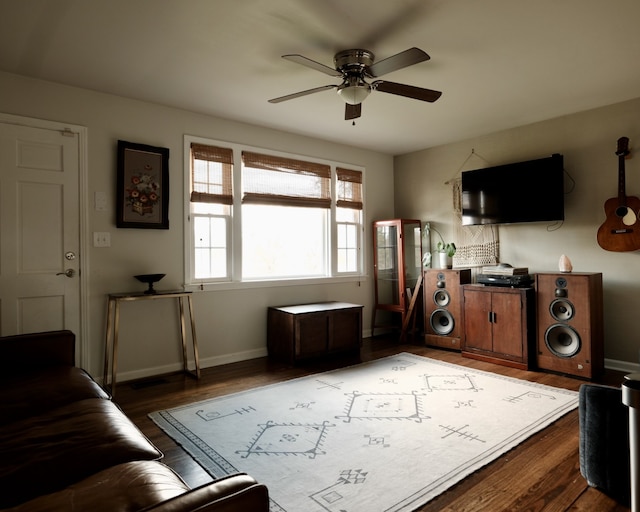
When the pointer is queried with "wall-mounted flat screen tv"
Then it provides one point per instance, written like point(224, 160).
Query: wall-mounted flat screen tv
point(531, 191)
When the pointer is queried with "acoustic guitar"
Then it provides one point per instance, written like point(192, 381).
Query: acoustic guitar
point(620, 231)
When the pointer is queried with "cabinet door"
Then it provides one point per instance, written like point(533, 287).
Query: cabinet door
point(397, 261)
point(387, 264)
point(477, 325)
point(507, 324)
point(346, 329)
point(412, 254)
point(312, 334)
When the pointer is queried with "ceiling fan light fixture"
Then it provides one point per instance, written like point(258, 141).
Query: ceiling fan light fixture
point(355, 66)
point(354, 93)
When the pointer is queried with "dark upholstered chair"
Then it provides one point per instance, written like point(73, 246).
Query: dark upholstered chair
point(604, 441)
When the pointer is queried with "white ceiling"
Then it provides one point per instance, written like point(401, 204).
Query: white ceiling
point(499, 63)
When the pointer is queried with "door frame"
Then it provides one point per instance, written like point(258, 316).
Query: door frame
point(82, 345)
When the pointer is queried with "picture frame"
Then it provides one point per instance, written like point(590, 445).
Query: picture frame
point(142, 186)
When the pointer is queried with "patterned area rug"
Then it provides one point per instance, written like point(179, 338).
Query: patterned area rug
point(386, 435)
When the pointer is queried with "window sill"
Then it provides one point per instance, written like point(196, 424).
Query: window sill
point(276, 283)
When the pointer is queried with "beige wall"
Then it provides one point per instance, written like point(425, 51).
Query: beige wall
point(588, 142)
point(231, 324)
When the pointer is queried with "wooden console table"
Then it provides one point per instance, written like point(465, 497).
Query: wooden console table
point(113, 330)
point(306, 331)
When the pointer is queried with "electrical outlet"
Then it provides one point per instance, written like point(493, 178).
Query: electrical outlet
point(101, 239)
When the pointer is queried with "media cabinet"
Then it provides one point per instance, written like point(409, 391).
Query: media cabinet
point(499, 324)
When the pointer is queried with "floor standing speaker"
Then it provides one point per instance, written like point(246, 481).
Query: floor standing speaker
point(443, 307)
point(570, 323)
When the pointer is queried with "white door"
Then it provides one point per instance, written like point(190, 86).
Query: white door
point(39, 230)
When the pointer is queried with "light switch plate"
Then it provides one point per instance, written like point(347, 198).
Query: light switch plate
point(101, 239)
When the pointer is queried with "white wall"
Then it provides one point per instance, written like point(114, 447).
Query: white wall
point(231, 325)
point(588, 142)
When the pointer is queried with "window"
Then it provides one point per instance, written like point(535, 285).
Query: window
point(257, 216)
point(348, 218)
point(211, 199)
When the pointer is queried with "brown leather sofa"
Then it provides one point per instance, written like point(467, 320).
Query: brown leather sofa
point(64, 445)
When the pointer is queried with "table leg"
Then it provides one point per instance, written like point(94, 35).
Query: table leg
point(193, 337)
point(183, 335)
point(114, 354)
point(107, 343)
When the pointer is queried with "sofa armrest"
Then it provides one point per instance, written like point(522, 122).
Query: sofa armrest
point(229, 494)
point(37, 350)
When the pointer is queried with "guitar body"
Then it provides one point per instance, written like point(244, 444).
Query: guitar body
point(620, 232)
point(614, 234)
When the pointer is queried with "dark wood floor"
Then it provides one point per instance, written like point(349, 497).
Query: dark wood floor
point(541, 474)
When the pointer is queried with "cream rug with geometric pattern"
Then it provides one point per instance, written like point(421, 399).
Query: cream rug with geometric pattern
point(385, 435)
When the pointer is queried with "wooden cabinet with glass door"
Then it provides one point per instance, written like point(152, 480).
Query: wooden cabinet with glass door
point(397, 255)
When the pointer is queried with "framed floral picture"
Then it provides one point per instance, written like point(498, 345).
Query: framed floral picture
point(142, 186)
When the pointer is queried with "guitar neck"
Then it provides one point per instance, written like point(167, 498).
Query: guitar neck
point(622, 152)
point(622, 195)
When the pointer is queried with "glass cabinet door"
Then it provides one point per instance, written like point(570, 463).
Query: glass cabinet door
point(398, 260)
point(398, 266)
point(387, 284)
point(412, 248)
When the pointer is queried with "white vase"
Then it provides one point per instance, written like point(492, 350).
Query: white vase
point(443, 260)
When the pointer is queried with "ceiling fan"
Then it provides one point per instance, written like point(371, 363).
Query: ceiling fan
point(355, 67)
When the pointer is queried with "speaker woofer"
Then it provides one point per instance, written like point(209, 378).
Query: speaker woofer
point(442, 322)
point(441, 298)
point(561, 310)
point(562, 340)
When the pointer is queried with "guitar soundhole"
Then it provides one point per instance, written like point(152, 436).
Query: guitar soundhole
point(626, 214)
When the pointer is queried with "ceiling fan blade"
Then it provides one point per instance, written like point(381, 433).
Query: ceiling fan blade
point(398, 61)
point(301, 93)
point(299, 59)
point(352, 111)
point(409, 91)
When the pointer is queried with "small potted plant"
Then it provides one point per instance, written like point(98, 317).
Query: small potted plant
point(445, 251)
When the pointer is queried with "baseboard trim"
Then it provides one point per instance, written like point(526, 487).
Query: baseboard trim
point(233, 358)
point(204, 363)
point(621, 366)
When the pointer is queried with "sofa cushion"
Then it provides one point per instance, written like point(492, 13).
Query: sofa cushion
point(43, 454)
point(33, 393)
point(126, 487)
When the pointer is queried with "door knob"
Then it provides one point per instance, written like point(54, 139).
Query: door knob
point(69, 273)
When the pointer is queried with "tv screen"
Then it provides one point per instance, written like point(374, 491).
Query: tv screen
point(531, 191)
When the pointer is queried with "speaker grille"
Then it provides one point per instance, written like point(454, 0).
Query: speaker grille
point(442, 322)
point(441, 298)
point(562, 340)
point(561, 310)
